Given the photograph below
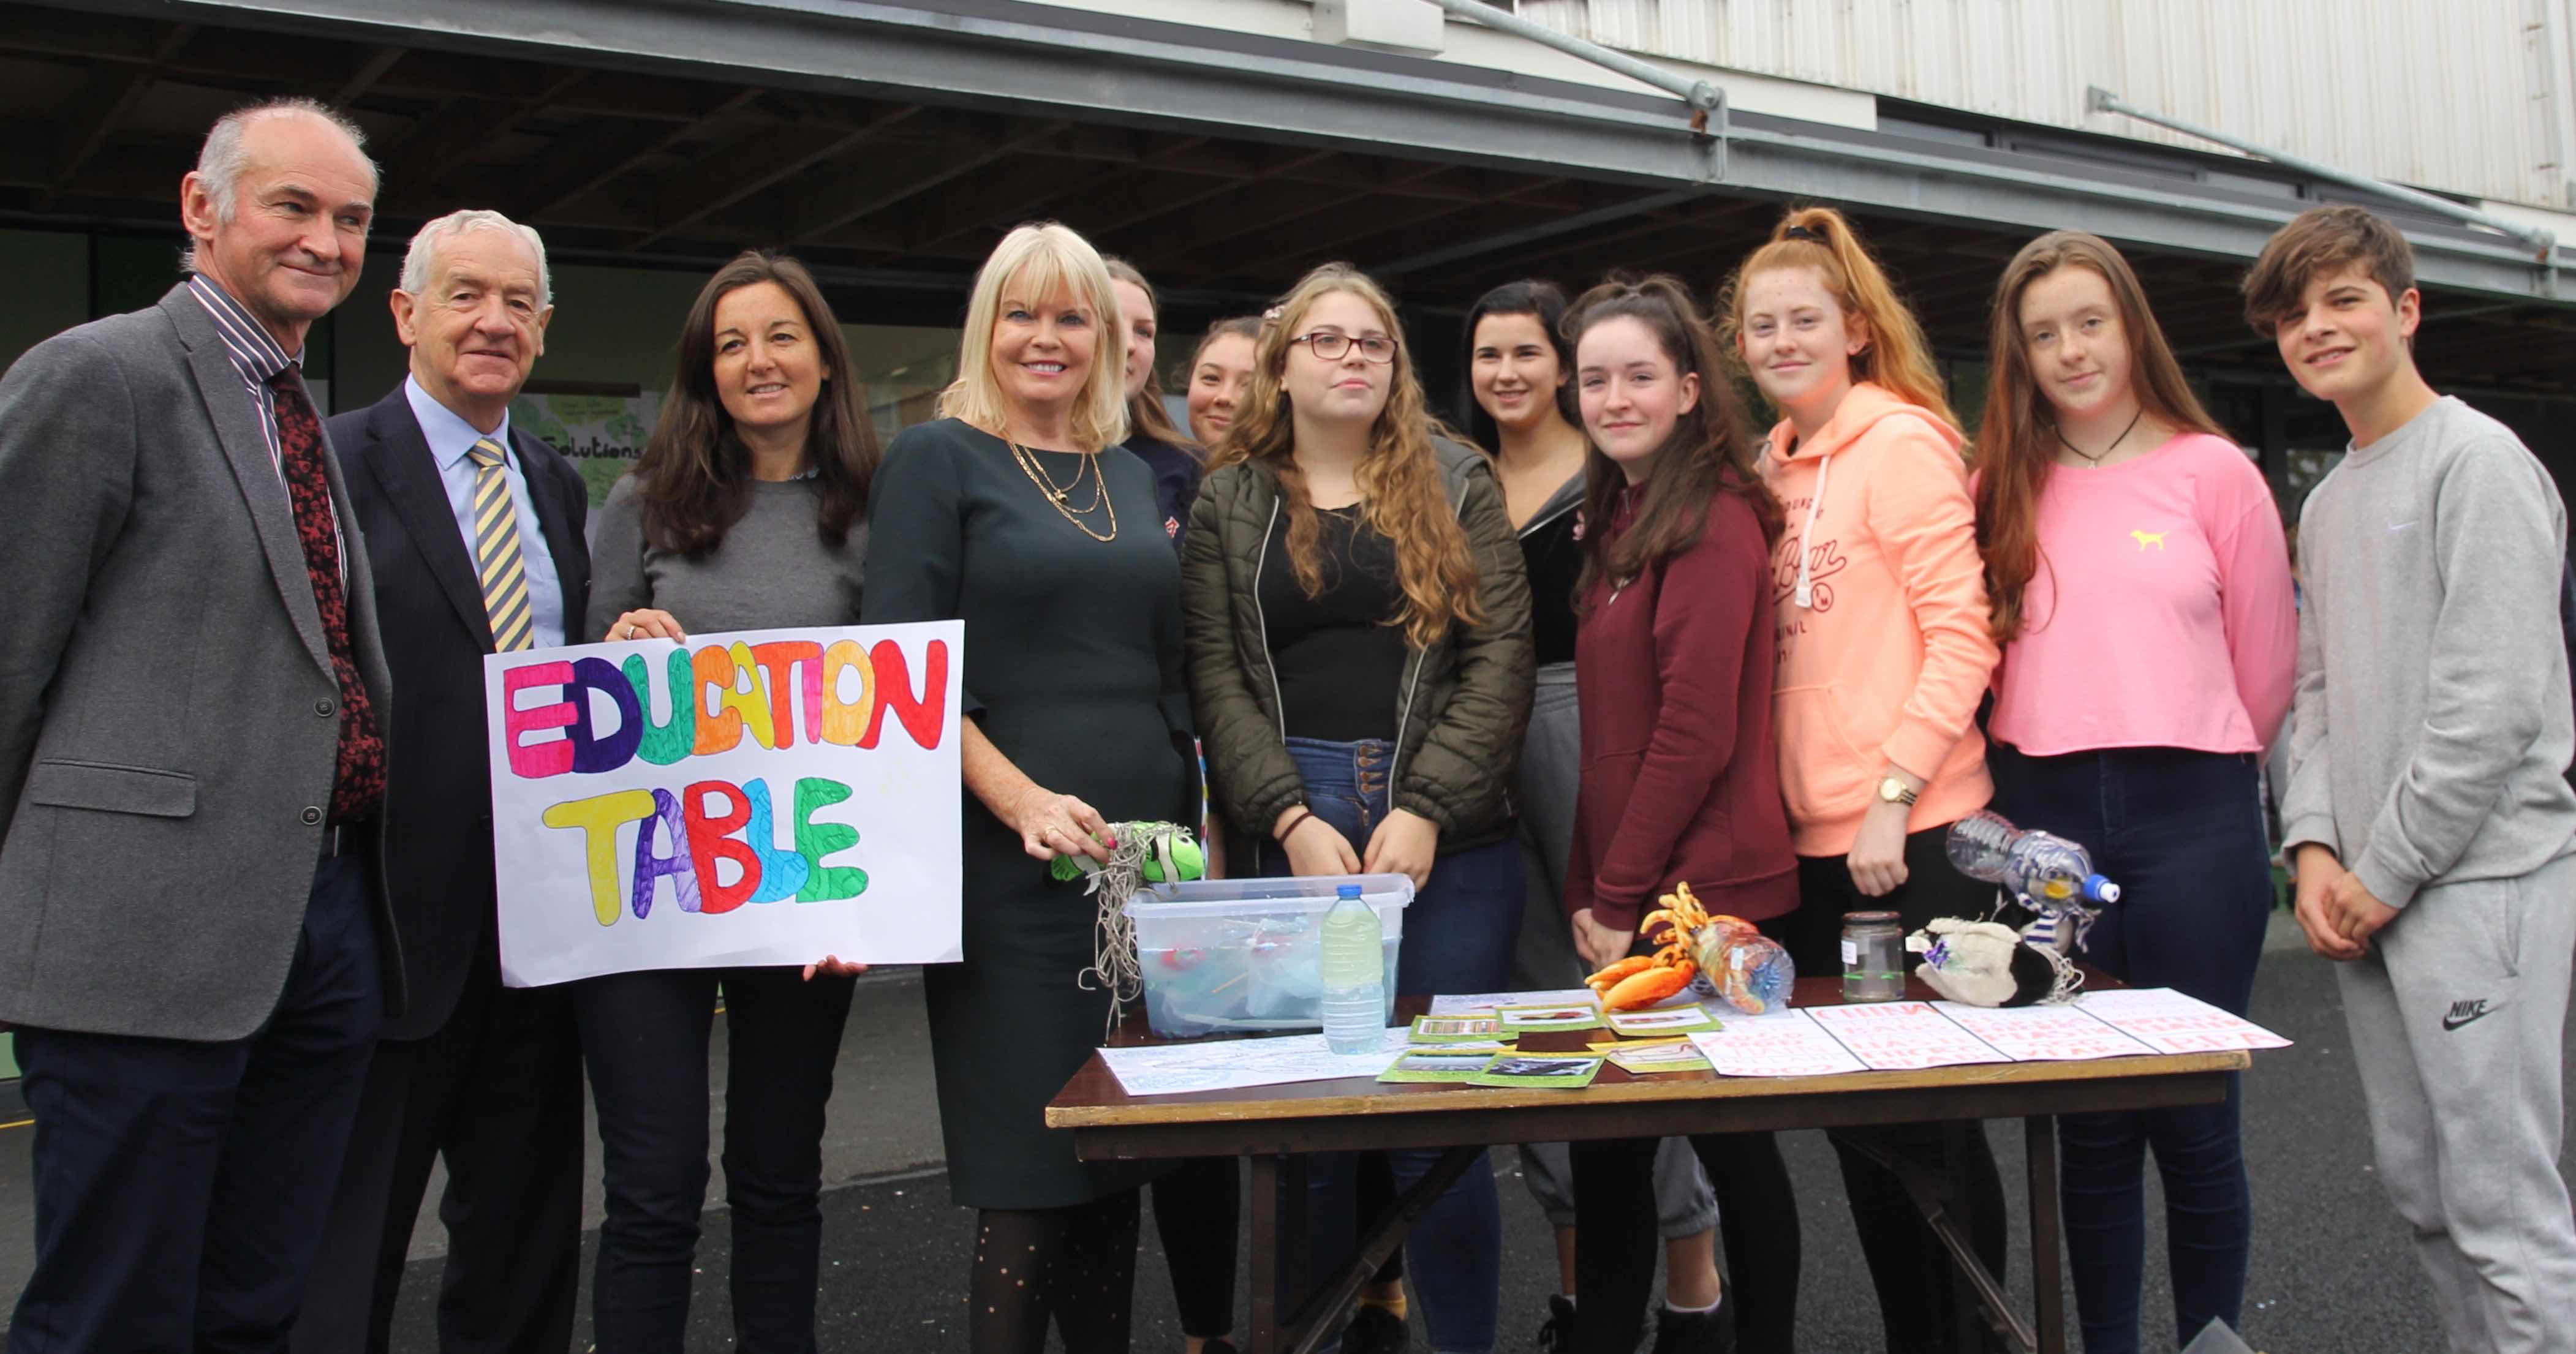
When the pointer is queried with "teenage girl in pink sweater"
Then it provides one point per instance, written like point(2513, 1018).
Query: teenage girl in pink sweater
point(2142, 595)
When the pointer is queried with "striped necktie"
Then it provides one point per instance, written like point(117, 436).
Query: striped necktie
point(496, 551)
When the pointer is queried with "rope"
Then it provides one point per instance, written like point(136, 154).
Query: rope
point(1115, 967)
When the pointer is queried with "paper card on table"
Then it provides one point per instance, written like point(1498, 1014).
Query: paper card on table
point(1438, 1064)
point(1451, 1029)
point(1897, 1036)
point(1549, 1016)
point(1605, 1045)
point(1663, 1020)
point(1782, 1044)
point(2169, 1022)
point(1643, 1059)
point(762, 797)
point(1465, 1002)
point(1564, 1071)
point(1226, 1064)
point(2042, 1033)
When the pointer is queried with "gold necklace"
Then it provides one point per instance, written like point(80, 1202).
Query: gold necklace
point(1055, 497)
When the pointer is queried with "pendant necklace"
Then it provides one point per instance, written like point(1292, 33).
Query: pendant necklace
point(1055, 497)
point(2095, 461)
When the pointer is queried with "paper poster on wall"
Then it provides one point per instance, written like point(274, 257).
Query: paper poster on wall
point(761, 797)
point(601, 434)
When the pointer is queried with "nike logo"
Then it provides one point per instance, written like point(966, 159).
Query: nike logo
point(2462, 1012)
point(2401, 526)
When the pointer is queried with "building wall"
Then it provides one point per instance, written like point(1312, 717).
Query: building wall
point(2459, 96)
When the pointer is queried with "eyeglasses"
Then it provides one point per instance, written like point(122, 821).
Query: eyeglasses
point(1332, 345)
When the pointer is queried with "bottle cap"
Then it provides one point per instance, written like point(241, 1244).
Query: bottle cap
point(1348, 891)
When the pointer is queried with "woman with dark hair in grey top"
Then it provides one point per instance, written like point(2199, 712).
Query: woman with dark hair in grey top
point(746, 512)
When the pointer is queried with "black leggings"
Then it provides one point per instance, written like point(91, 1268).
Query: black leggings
point(1076, 1265)
point(1907, 1263)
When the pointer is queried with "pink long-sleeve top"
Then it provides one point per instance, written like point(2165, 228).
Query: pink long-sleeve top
point(2161, 614)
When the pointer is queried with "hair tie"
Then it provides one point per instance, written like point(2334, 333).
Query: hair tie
point(1802, 233)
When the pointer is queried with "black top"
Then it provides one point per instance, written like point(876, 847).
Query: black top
point(1554, 556)
point(1176, 482)
point(1339, 663)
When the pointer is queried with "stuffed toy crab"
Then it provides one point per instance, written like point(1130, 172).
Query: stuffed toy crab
point(1986, 963)
point(1146, 853)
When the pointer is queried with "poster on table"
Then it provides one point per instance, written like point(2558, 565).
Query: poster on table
point(760, 797)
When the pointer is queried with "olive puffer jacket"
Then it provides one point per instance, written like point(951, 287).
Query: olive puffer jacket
point(1464, 702)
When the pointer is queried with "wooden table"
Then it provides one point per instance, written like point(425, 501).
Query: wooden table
point(1274, 1125)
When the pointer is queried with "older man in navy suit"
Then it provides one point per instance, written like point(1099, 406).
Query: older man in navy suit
point(474, 531)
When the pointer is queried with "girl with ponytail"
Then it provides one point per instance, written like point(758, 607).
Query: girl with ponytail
point(2142, 595)
point(1680, 783)
point(1884, 652)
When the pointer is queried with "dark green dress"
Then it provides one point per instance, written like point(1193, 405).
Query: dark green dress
point(1073, 670)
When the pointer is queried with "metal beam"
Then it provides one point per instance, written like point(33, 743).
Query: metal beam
point(1045, 60)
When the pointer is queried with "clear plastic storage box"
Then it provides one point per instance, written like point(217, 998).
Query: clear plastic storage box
point(1247, 954)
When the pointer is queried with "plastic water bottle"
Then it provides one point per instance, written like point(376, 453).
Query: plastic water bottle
point(2045, 873)
point(1354, 975)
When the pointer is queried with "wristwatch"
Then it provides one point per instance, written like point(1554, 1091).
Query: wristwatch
point(1894, 791)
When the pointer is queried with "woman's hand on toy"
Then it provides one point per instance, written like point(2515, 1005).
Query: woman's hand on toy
point(1601, 946)
point(1316, 847)
point(1877, 858)
point(1404, 844)
point(1052, 825)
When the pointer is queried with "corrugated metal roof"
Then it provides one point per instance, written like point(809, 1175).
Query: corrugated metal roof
point(2467, 97)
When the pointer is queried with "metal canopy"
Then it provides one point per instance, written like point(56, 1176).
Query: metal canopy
point(889, 144)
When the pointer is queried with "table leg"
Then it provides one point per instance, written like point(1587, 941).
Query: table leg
point(2040, 1133)
point(1967, 1317)
point(1941, 1198)
point(1279, 1245)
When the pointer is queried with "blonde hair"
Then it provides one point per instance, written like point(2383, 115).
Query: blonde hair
point(1038, 262)
point(1898, 358)
point(1399, 477)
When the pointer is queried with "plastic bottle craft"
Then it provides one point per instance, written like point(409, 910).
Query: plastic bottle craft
point(2046, 874)
point(1726, 956)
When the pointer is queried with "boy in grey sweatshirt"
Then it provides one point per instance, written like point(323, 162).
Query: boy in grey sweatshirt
point(2433, 832)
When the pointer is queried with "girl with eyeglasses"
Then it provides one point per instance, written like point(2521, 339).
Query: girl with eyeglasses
point(1358, 632)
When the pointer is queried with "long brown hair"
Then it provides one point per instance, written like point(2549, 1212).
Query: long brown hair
point(2017, 443)
point(694, 478)
point(1145, 412)
point(1399, 477)
point(1898, 358)
point(1710, 452)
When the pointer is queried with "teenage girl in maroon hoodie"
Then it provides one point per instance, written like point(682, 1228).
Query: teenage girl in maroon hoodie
point(1680, 780)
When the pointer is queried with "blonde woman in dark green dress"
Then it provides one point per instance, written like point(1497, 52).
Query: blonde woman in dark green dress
point(1018, 512)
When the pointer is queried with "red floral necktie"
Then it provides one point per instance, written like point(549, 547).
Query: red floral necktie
point(358, 783)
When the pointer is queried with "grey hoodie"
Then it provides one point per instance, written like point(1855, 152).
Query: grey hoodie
point(2432, 719)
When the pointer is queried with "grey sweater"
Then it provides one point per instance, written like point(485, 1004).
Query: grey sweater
point(2432, 719)
point(772, 571)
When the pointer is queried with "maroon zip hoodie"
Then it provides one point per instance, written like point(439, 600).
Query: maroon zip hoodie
point(1681, 781)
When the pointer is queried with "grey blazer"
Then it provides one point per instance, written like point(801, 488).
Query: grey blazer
point(169, 721)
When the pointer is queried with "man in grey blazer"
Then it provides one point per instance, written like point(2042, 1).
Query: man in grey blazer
point(194, 947)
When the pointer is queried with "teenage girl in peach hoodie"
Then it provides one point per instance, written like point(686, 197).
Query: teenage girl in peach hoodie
point(1884, 651)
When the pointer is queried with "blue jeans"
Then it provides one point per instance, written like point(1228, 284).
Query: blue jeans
point(2181, 832)
point(1459, 935)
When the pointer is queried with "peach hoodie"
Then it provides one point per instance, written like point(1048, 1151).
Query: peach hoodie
point(1885, 657)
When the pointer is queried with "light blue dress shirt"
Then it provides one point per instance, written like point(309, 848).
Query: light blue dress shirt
point(451, 440)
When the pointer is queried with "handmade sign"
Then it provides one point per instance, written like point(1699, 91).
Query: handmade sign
point(761, 797)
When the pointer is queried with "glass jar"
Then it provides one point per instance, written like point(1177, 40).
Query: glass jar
point(1873, 957)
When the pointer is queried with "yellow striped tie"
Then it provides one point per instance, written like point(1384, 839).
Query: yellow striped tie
point(496, 551)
